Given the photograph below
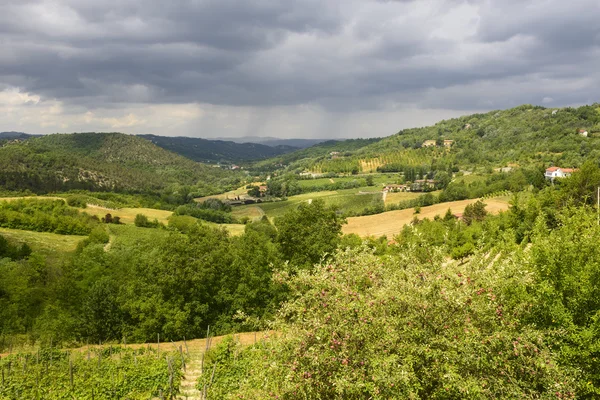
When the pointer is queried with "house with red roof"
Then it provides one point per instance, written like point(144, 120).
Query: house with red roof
point(558, 172)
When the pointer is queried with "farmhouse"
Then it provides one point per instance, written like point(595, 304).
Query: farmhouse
point(429, 143)
point(583, 132)
point(448, 143)
point(558, 172)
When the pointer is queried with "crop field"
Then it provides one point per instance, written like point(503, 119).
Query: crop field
point(391, 223)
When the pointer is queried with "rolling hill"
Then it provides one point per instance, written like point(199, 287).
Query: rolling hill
point(102, 162)
point(524, 135)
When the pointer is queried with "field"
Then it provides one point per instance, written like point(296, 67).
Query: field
point(51, 245)
point(391, 223)
point(127, 215)
point(393, 198)
point(348, 200)
point(242, 191)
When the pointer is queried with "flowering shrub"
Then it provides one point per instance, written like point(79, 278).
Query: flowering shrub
point(370, 327)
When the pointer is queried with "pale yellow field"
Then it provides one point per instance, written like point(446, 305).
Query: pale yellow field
point(391, 223)
point(127, 215)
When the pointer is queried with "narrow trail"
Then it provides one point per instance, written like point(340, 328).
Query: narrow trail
point(197, 348)
point(187, 388)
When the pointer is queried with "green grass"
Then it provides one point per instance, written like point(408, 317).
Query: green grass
point(42, 241)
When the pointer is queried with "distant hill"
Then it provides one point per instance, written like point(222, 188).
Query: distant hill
point(213, 151)
point(273, 142)
point(102, 162)
point(15, 135)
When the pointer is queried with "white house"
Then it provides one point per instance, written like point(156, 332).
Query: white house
point(557, 172)
point(583, 132)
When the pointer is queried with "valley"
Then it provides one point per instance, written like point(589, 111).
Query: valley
point(431, 245)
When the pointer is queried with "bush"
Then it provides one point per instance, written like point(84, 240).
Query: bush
point(77, 201)
point(364, 327)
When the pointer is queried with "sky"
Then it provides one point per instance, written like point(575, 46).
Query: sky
point(287, 68)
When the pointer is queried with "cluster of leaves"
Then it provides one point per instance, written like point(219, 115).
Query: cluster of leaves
point(45, 216)
point(104, 373)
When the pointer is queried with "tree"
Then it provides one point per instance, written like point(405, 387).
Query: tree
point(254, 191)
point(369, 180)
point(307, 233)
point(141, 221)
point(474, 212)
point(581, 187)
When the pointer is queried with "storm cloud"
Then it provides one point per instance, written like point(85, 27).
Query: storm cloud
point(304, 68)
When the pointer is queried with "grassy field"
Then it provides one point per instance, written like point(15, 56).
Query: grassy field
point(127, 215)
point(393, 198)
point(391, 223)
point(53, 246)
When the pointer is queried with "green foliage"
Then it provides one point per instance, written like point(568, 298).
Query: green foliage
point(45, 216)
point(142, 221)
point(108, 373)
point(77, 201)
point(308, 232)
point(364, 327)
point(205, 213)
point(474, 212)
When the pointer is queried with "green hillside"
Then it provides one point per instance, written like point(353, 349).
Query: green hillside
point(102, 162)
point(524, 135)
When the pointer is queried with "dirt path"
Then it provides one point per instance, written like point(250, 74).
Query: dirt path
point(384, 196)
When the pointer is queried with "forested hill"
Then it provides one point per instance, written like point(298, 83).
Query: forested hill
point(524, 135)
point(212, 151)
point(102, 162)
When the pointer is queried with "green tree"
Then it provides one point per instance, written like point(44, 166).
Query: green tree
point(474, 212)
point(141, 221)
point(308, 232)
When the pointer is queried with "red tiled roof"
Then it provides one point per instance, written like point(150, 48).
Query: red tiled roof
point(552, 169)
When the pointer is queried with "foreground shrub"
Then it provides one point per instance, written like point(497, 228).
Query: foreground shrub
point(369, 327)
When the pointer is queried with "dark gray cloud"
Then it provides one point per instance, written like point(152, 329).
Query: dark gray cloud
point(337, 55)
